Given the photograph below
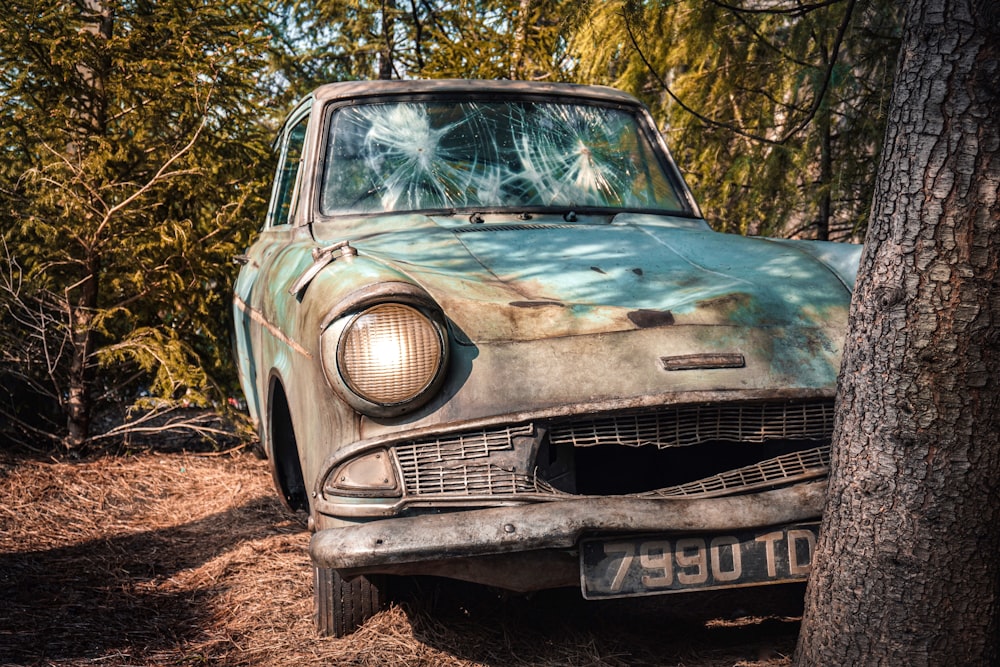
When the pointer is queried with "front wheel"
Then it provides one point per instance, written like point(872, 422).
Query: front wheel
point(342, 606)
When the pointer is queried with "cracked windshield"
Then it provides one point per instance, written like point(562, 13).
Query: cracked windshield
point(490, 155)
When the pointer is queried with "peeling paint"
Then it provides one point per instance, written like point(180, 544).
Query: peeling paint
point(651, 318)
point(536, 304)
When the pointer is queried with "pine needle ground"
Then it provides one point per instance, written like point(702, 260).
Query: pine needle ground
point(189, 559)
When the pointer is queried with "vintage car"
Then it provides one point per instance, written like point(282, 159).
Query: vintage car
point(486, 334)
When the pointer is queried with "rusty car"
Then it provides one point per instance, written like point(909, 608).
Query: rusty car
point(486, 333)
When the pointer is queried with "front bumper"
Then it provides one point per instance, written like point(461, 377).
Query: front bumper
point(489, 545)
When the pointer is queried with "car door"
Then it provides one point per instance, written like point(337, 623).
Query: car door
point(276, 233)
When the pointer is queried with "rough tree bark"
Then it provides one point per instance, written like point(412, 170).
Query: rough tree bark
point(908, 564)
point(523, 18)
point(386, 68)
point(79, 404)
point(92, 109)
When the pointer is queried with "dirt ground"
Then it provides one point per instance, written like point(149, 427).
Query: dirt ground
point(189, 559)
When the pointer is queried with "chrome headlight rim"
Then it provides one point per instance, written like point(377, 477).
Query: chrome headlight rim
point(402, 354)
point(333, 363)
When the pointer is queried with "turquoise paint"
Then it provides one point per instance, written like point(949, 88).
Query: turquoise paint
point(586, 269)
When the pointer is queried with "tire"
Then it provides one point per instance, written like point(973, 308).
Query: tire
point(342, 606)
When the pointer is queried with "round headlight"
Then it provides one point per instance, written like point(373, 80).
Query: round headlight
point(390, 354)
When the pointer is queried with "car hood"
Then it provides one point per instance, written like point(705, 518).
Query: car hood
point(545, 279)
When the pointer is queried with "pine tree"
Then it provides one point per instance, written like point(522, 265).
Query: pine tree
point(318, 42)
point(135, 156)
point(775, 111)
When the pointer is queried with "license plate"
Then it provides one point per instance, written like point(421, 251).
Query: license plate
point(651, 565)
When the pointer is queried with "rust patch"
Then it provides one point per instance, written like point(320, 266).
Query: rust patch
point(645, 319)
point(687, 362)
point(271, 328)
point(536, 304)
point(726, 302)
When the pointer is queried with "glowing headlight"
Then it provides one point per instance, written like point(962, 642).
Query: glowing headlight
point(390, 354)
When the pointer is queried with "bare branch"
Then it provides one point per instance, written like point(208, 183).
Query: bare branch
point(798, 10)
point(766, 42)
point(77, 171)
point(166, 420)
point(162, 173)
point(26, 428)
point(41, 330)
point(814, 108)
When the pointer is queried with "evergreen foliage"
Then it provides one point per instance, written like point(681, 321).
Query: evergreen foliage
point(135, 156)
point(135, 141)
point(775, 110)
point(317, 42)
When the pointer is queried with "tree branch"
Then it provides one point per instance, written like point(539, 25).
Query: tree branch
point(814, 108)
point(799, 10)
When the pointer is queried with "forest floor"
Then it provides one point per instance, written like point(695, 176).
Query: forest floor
point(153, 558)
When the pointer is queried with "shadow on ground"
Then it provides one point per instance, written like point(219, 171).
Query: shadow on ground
point(559, 627)
point(104, 564)
point(116, 594)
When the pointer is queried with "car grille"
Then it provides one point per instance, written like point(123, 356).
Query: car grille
point(793, 467)
point(491, 462)
point(455, 465)
point(694, 424)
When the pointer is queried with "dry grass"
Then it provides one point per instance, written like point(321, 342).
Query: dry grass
point(188, 559)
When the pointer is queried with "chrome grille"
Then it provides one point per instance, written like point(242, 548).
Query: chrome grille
point(784, 469)
point(494, 462)
point(694, 424)
point(453, 465)
point(473, 480)
point(458, 447)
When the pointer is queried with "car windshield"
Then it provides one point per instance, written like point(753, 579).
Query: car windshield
point(490, 155)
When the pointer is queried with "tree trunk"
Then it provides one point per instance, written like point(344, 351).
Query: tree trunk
point(97, 19)
point(81, 308)
point(385, 64)
point(79, 405)
point(825, 212)
point(907, 568)
point(524, 11)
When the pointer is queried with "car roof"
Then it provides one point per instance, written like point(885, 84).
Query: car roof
point(356, 89)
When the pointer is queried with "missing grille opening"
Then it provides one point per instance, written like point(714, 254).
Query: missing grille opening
point(617, 470)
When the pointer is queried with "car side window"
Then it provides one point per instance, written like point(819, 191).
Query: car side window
point(287, 172)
